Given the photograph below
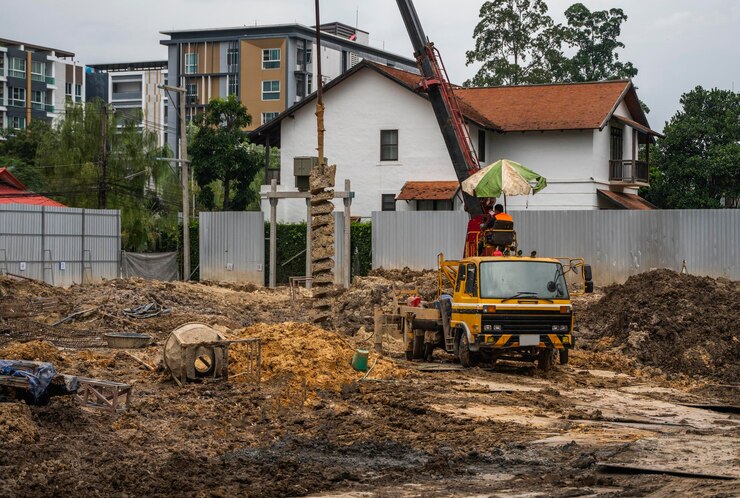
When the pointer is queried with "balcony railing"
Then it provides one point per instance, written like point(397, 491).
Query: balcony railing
point(16, 103)
point(37, 106)
point(50, 80)
point(628, 171)
point(15, 73)
point(126, 95)
point(49, 108)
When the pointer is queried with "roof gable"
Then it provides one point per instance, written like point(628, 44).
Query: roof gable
point(12, 191)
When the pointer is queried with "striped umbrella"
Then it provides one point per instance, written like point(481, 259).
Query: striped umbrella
point(504, 177)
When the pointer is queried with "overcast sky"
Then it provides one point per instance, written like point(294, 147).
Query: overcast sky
point(675, 44)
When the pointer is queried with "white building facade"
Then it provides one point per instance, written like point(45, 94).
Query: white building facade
point(383, 136)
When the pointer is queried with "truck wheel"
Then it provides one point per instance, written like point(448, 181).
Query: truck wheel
point(546, 359)
point(467, 357)
point(428, 350)
point(563, 356)
point(418, 347)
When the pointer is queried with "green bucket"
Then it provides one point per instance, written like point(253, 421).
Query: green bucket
point(359, 360)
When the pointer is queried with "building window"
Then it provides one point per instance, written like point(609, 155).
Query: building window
point(271, 58)
point(309, 85)
point(17, 97)
point(18, 123)
point(269, 116)
point(191, 93)
point(309, 55)
point(300, 85)
point(37, 100)
point(233, 84)
point(617, 143)
point(68, 89)
point(388, 202)
point(482, 145)
point(78, 92)
point(271, 90)
point(17, 68)
point(38, 71)
point(389, 145)
point(191, 63)
point(432, 205)
point(232, 57)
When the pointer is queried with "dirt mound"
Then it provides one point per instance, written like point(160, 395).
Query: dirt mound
point(32, 351)
point(679, 323)
point(298, 352)
point(16, 425)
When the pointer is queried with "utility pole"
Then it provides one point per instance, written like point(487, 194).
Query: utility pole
point(185, 178)
point(103, 166)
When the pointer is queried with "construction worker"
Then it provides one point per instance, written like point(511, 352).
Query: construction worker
point(475, 225)
point(498, 215)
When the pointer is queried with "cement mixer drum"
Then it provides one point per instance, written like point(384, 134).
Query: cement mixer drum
point(195, 351)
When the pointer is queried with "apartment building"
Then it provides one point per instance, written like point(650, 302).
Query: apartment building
point(35, 83)
point(131, 88)
point(269, 68)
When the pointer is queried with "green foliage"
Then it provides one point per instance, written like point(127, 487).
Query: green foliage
point(697, 164)
point(220, 152)
point(291, 240)
point(170, 239)
point(362, 248)
point(510, 42)
point(517, 42)
point(594, 35)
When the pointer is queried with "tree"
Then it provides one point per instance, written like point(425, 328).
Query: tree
point(697, 164)
point(594, 35)
point(94, 151)
point(514, 42)
point(220, 152)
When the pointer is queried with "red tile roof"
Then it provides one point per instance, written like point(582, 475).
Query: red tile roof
point(428, 191)
point(12, 191)
point(559, 106)
point(623, 200)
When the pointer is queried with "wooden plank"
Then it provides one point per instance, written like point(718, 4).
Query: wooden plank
point(618, 468)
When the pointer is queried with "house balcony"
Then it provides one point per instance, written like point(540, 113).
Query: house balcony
point(629, 172)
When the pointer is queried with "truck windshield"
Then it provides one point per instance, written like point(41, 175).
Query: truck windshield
point(522, 278)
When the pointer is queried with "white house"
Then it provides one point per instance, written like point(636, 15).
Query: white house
point(383, 136)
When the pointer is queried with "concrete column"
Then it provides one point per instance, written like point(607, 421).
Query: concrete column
point(347, 235)
point(273, 234)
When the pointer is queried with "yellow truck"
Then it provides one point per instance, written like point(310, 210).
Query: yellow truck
point(496, 307)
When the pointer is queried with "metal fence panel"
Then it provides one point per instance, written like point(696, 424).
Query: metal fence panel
point(616, 243)
point(61, 246)
point(232, 247)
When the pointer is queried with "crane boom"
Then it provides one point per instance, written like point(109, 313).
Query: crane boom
point(444, 103)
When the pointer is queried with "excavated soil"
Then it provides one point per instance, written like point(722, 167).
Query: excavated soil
point(315, 426)
point(682, 324)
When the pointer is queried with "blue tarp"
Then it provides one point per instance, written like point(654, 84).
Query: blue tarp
point(38, 379)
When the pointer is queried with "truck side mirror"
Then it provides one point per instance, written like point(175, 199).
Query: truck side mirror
point(587, 273)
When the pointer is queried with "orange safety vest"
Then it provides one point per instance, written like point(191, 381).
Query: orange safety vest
point(503, 217)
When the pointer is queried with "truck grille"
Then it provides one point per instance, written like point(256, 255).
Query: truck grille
point(523, 323)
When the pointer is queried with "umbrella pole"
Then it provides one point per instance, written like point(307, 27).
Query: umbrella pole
point(505, 210)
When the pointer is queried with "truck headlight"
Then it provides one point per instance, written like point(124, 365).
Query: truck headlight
point(560, 328)
point(497, 327)
point(487, 328)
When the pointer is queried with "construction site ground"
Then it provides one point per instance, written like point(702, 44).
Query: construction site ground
point(615, 421)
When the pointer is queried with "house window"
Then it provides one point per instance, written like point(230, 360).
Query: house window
point(481, 145)
point(233, 84)
point(68, 89)
point(309, 55)
point(269, 116)
point(389, 145)
point(191, 63)
point(300, 86)
point(38, 71)
point(432, 205)
point(617, 143)
point(388, 202)
point(17, 97)
point(232, 57)
point(78, 92)
point(271, 58)
point(17, 68)
point(18, 123)
point(271, 90)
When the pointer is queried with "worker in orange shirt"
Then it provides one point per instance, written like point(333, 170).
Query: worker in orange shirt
point(498, 215)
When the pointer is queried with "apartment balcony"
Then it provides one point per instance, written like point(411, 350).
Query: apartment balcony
point(126, 96)
point(14, 73)
point(16, 103)
point(629, 172)
point(49, 108)
point(38, 106)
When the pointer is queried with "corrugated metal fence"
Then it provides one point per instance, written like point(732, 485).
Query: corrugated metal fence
point(232, 247)
point(60, 246)
point(616, 243)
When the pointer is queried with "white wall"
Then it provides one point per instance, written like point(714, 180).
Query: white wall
point(575, 163)
point(356, 111)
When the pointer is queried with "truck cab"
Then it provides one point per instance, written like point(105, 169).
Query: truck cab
point(510, 308)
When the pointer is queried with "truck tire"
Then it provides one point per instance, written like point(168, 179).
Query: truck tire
point(546, 359)
point(468, 358)
point(563, 356)
point(428, 350)
point(418, 346)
